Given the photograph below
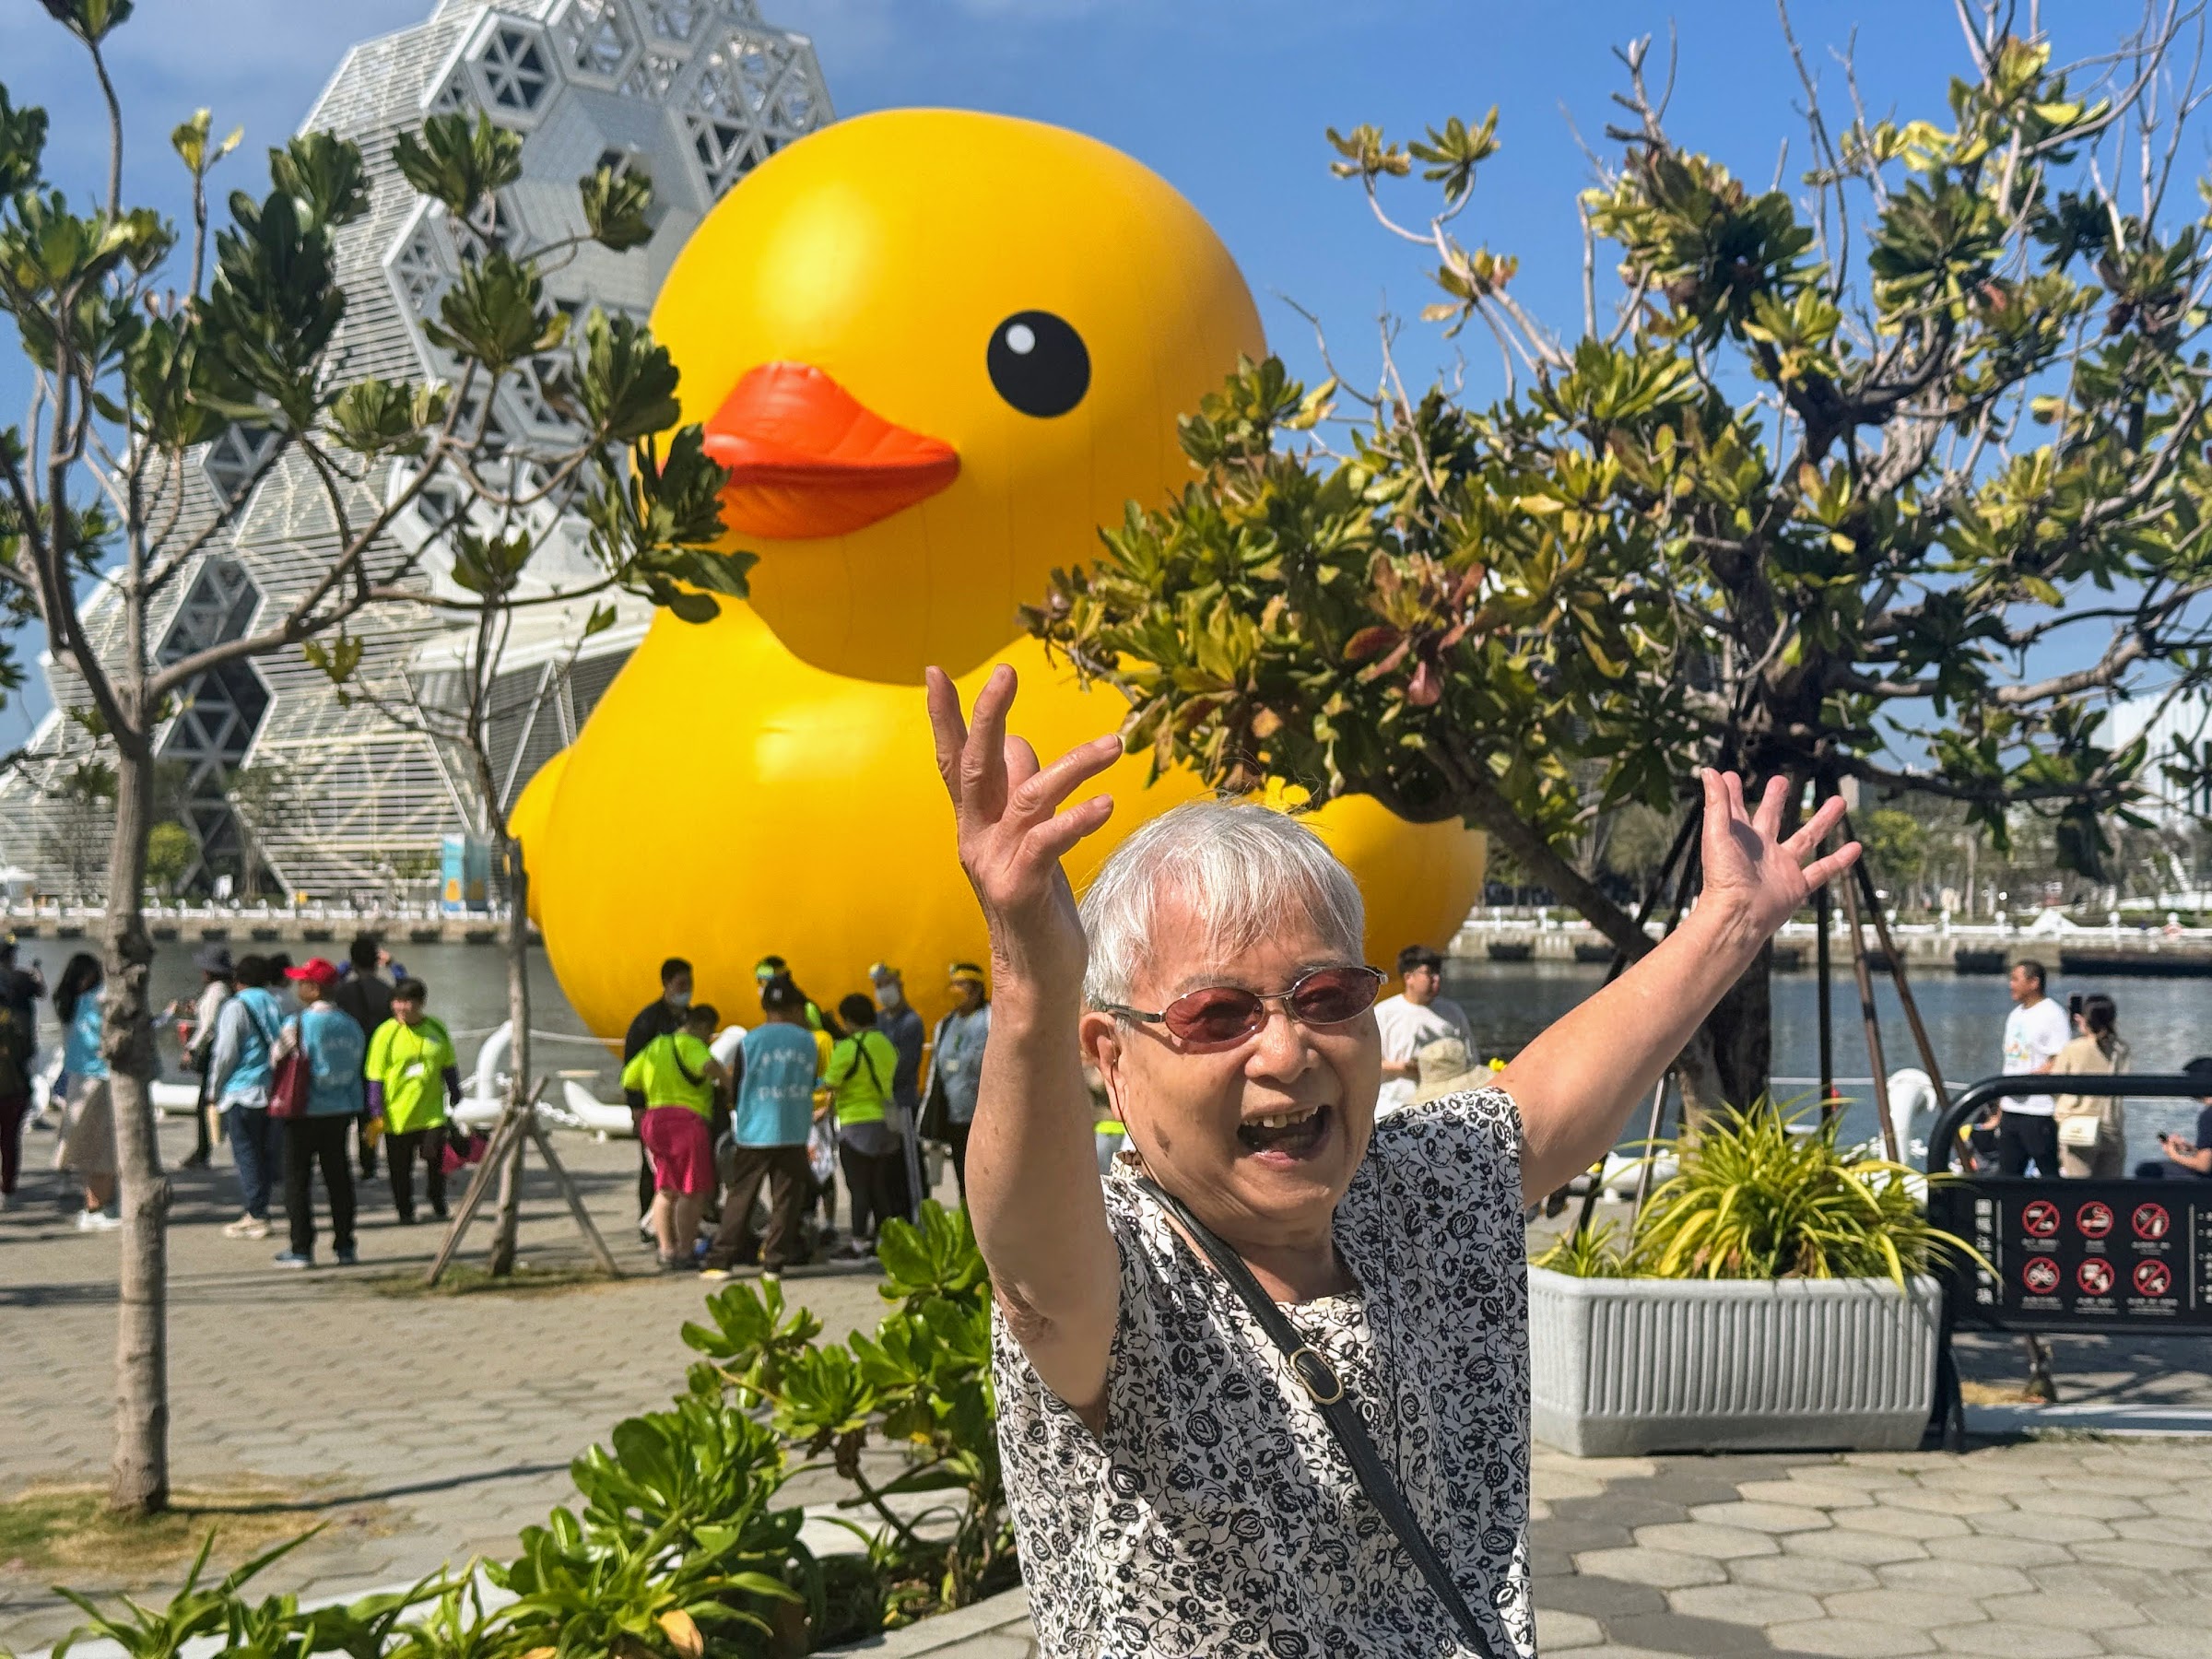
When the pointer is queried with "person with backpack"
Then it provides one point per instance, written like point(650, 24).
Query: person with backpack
point(89, 1117)
point(237, 1081)
point(413, 1073)
point(860, 1075)
point(677, 1075)
point(316, 1091)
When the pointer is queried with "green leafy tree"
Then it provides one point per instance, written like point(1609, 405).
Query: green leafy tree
point(648, 525)
point(171, 853)
point(1837, 466)
point(145, 342)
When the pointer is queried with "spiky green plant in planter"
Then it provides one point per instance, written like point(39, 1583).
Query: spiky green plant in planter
point(1755, 1198)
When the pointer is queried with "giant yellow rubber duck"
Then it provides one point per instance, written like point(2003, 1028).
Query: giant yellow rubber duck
point(936, 349)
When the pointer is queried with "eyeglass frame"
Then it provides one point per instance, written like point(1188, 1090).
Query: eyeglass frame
point(1123, 1010)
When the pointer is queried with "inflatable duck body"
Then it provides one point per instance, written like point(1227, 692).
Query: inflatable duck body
point(936, 349)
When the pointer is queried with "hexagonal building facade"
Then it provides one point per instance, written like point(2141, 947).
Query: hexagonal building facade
point(261, 761)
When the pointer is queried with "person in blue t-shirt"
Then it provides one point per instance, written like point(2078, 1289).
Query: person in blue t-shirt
point(246, 1032)
point(775, 1109)
point(335, 1052)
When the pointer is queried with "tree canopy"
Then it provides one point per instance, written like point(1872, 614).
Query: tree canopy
point(1842, 468)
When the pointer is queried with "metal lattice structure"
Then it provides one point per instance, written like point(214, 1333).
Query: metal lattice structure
point(261, 760)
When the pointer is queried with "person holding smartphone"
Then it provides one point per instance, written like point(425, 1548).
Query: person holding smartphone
point(2192, 1155)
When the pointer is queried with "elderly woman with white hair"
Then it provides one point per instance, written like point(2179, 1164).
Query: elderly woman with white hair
point(1269, 1392)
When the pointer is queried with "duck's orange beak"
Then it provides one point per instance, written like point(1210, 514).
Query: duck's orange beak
point(808, 459)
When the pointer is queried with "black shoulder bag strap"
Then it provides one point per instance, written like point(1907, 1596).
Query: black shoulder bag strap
point(1326, 1389)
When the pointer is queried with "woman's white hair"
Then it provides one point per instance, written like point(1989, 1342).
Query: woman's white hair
point(1243, 869)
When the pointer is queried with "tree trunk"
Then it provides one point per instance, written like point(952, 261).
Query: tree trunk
point(518, 1051)
point(138, 1479)
point(1730, 1060)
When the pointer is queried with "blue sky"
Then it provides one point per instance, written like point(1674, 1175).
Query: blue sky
point(1227, 99)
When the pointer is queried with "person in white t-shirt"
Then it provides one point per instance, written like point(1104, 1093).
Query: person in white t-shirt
point(2034, 1033)
point(1417, 1017)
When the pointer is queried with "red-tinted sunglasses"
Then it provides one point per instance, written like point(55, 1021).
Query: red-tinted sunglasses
point(1216, 1015)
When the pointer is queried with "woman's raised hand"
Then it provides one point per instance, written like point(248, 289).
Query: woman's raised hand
point(1013, 835)
point(1747, 866)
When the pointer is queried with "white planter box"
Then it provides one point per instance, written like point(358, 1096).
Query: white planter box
point(1619, 1367)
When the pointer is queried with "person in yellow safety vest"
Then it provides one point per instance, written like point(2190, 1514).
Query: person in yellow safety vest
point(859, 1074)
point(678, 1075)
point(412, 1072)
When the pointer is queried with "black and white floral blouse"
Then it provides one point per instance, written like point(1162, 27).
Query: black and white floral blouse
point(1216, 1515)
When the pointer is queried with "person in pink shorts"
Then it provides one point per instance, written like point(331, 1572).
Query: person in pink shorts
point(678, 1075)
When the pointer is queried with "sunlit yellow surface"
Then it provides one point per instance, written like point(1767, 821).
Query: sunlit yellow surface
point(764, 782)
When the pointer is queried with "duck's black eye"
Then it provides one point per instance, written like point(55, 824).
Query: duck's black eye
point(1039, 364)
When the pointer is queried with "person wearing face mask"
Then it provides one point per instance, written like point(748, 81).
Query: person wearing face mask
point(663, 1017)
point(898, 1021)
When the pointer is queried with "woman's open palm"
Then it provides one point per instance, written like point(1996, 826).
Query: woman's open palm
point(1012, 834)
point(1749, 865)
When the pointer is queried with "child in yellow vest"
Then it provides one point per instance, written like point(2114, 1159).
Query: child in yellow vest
point(412, 1073)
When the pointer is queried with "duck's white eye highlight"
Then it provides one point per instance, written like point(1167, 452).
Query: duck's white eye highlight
point(1021, 338)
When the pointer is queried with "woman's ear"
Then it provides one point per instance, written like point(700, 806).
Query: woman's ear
point(1100, 1037)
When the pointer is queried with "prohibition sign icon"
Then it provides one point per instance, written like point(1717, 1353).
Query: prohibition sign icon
point(2095, 1275)
point(2039, 1218)
point(2040, 1275)
point(2151, 1222)
point(2094, 1219)
point(2153, 1277)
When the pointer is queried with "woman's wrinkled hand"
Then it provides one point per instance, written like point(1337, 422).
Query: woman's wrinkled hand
point(1013, 835)
point(1763, 879)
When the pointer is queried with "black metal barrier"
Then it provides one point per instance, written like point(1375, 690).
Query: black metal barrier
point(2131, 1255)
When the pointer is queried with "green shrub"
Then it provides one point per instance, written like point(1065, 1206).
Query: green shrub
point(919, 1385)
point(678, 1546)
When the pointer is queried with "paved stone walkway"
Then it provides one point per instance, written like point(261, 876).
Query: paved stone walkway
point(429, 1429)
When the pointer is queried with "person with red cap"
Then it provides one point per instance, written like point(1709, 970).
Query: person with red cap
point(335, 1053)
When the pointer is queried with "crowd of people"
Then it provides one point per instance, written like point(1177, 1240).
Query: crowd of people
point(2073, 1134)
point(298, 1086)
point(806, 1095)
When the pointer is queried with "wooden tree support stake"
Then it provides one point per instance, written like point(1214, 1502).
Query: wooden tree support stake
point(504, 1135)
point(1873, 1026)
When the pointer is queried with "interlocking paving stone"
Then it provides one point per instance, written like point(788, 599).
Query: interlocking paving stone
point(1962, 1578)
point(1559, 1632)
point(1891, 1521)
point(1603, 1597)
point(2068, 1612)
point(1915, 1609)
point(1867, 1548)
point(1851, 1639)
point(1663, 1568)
point(2048, 1527)
point(1811, 1574)
point(1744, 1604)
point(2160, 1642)
point(2014, 1642)
point(1678, 1633)
point(1699, 1537)
point(1763, 1517)
point(1805, 1487)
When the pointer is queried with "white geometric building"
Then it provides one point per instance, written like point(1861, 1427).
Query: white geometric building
point(333, 799)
